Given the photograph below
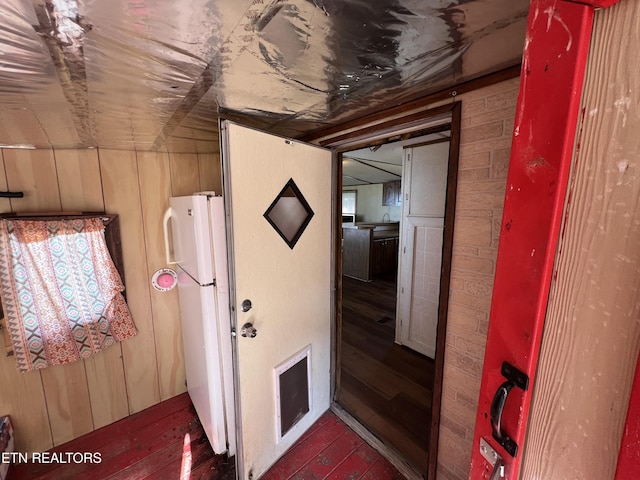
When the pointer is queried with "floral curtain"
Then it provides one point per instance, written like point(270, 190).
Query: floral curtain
point(60, 290)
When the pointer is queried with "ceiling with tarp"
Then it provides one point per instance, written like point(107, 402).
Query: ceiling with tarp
point(157, 74)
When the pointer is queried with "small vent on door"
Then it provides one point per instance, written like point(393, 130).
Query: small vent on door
point(293, 391)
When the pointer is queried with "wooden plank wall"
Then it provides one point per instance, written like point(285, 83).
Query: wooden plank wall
point(57, 404)
point(592, 333)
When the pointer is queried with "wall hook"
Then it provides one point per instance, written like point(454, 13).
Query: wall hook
point(11, 194)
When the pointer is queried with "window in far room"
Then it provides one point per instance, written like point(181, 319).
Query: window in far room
point(349, 206)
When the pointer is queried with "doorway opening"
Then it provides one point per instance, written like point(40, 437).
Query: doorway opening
point(393, 268)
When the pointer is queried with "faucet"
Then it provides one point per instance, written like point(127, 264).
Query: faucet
point(383, 217)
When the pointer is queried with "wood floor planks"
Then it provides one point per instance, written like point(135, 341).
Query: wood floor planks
point(154, 444)
point(325, 462)
point(146, 445)
point(331, 450)
point(387, 387)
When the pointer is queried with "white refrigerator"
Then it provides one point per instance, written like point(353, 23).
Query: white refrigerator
point(200, 254)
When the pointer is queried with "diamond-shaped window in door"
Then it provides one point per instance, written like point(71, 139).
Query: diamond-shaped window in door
point(289, 213)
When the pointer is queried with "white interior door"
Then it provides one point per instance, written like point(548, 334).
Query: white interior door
point(424, 184)
point(289, 288)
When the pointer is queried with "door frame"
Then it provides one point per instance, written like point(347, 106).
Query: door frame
point(547, 116)
point(384, 130)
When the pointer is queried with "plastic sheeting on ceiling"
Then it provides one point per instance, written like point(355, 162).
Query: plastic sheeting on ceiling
point(156, 74)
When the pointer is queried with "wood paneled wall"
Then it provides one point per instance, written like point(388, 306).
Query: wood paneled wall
point(51, 406)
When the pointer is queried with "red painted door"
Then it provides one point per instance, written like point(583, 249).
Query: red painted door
point(554, 61)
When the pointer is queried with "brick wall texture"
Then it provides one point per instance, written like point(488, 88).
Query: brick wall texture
point(487, 126)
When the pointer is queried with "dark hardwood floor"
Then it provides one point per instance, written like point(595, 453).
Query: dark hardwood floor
point(387, 387)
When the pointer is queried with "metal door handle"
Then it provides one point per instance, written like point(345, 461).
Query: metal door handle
point(515, 378)
point(246, 305)
point(248, 330)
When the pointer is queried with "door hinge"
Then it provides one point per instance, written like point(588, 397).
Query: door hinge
point(402, 290)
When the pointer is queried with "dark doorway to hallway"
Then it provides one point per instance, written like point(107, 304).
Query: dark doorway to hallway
point(385, 386)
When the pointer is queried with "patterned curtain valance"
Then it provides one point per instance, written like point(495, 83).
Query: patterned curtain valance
point(60, 290)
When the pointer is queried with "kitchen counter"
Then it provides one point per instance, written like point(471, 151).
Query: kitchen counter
point(373, 225)
point(369, 249)
point(385, 234)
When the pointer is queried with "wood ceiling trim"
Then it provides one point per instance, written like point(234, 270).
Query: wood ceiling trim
point(342, 131)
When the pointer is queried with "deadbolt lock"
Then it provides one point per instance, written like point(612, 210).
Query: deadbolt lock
point(246, 305)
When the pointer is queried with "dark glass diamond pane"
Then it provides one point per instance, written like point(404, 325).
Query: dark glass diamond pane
point(289, 213)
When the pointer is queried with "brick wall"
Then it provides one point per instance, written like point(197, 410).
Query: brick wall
point(487, 125)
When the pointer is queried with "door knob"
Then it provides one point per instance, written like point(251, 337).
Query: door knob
point(246, 305)
point(248, 330)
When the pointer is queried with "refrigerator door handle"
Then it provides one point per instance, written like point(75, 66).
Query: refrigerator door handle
point(165, 228)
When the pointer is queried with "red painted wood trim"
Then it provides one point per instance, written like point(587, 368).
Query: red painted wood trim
point(629, 457)
point(596, 3)
point(554, 62)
